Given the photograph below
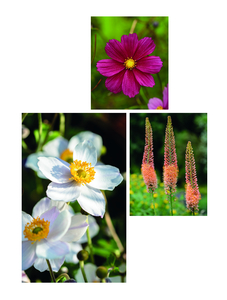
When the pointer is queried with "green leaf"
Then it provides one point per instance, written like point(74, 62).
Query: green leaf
point(111, 260)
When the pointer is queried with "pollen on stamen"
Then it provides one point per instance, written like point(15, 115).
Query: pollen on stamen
point(36, 230)
point(130, 63)
point(82, 172)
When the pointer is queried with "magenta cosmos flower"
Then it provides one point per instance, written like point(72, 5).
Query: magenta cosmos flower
point(130, 66)
point(156, 103)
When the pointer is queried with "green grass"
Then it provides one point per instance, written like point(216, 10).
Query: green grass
point(141, 201)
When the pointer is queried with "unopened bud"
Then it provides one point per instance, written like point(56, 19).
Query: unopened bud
point(82, 255)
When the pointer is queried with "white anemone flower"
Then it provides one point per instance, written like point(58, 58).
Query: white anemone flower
point(81, 180)
point(62, 148)
point(46, 234)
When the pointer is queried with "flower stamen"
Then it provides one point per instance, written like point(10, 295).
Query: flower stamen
point(82, 172)
point(130, 63)
point(36, 230)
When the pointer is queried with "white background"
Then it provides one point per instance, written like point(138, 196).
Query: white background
point(45, 67)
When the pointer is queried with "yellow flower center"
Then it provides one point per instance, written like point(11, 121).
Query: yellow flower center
point(82, 172)
point(67, 155)
point(159, 107)
point(36, 230)
point(129, 63)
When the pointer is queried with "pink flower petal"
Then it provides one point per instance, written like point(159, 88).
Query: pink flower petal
point(109, 67)
point(130, 85)
point(144, 79)
point(165, 97)
point(149, 64)
point(129, 42)
point(115, 50)
point(114, 83)
point(145, 47)
point(154, 103)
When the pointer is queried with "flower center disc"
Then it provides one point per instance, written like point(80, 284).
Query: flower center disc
point(82, 172)
point(130, 63)
point(67, 155)
point(36, 230)
point(159, 107)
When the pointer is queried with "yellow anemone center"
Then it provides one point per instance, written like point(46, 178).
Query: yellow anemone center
point(130, 63)
point(159, 107)
point(82, 172)
point(36, 230)
point(67, 155)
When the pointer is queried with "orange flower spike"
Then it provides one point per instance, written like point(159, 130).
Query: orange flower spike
point(147, 168)
point(192, 190)
point(170, 168)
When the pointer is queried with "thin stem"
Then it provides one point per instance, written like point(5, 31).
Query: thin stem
point(24, 116)
point(111, 227)
point(62, 124)
point(152, 197)
point(82, 270)
point(171, 204)
point(51, 272)
point(89, 241)
point(193, 211)
point(50, 128)
point(40, 131)
point(96, 85)
point(133, 26)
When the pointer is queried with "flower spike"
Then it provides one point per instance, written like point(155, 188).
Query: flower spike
point(170, 159)
point(147, 168)
point(192, 190)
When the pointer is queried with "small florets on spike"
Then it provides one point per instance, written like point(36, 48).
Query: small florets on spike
point(192, 190)
point(170, 169)
point(147, 168)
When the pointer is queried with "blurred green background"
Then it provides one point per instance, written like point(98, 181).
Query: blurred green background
point(187, 127)
point(112, 129)
point(107, 28)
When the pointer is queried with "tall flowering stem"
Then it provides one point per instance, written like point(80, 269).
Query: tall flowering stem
point(192, 190)
point(147, 168)
point(170, 169)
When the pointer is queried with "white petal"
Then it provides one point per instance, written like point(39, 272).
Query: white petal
point(60, 226)
point(93, 229)
point(32, 163)
point(106, 177)
point(41, 264)
point(26, 218)
point(94, 138)
point(56, 146)
point(92, 201)
point(43, 205)
point(50, 215)
point(55, 169)
point(72, 256)
point(67, 192)
point(90, 271)
point(28, 254)
point(85, 152)
point(51, 249)
point(77, 228)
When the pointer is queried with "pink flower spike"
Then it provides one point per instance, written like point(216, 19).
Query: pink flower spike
point(170, 160)
point(147, 168)
point(130, 66)
point(192, 190)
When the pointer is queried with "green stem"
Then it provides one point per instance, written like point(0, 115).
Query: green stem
point(40, 131)
point(51, 272)
point(193, 212)
point(90, 245)
point(152, 197)
point(24, 115)
point(62, 124)
point(171, 204)
point(82, 270)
